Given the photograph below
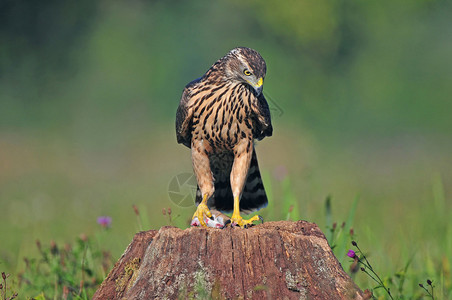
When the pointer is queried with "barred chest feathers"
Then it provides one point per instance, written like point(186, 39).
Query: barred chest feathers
point(222, 117)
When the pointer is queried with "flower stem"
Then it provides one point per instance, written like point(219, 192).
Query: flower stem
point(367, 264)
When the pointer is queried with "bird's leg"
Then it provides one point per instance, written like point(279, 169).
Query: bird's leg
point(201, 166)
point(239, 172)
point(237, 219)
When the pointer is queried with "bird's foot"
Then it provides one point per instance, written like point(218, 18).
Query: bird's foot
point(202, 212)
point(239, 221)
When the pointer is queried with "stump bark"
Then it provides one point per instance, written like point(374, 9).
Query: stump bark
point(275, 260)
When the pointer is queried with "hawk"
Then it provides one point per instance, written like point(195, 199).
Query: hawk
point(218, 118)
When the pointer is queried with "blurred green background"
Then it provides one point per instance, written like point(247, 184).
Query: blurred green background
point(360, 94)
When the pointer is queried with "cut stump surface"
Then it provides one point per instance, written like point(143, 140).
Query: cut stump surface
point(275, 260)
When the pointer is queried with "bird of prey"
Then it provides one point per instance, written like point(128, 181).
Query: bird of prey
point(219, 117)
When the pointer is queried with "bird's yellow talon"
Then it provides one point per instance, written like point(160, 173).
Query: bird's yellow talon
point(238, 220)
point(201, 212)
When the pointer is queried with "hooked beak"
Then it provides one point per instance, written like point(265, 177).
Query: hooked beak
point(259, 86)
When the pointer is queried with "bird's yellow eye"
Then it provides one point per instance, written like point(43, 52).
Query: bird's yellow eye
point(247, 72)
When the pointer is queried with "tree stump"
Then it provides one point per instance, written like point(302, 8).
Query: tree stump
point(275, 260)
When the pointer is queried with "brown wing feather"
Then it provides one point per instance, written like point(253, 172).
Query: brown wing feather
point(262, 119)
point(184, 116)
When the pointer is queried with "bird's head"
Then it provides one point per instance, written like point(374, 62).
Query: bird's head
point(247, 66)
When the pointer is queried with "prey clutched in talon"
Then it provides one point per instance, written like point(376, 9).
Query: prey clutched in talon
point(201, 213)
point(216, 220)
